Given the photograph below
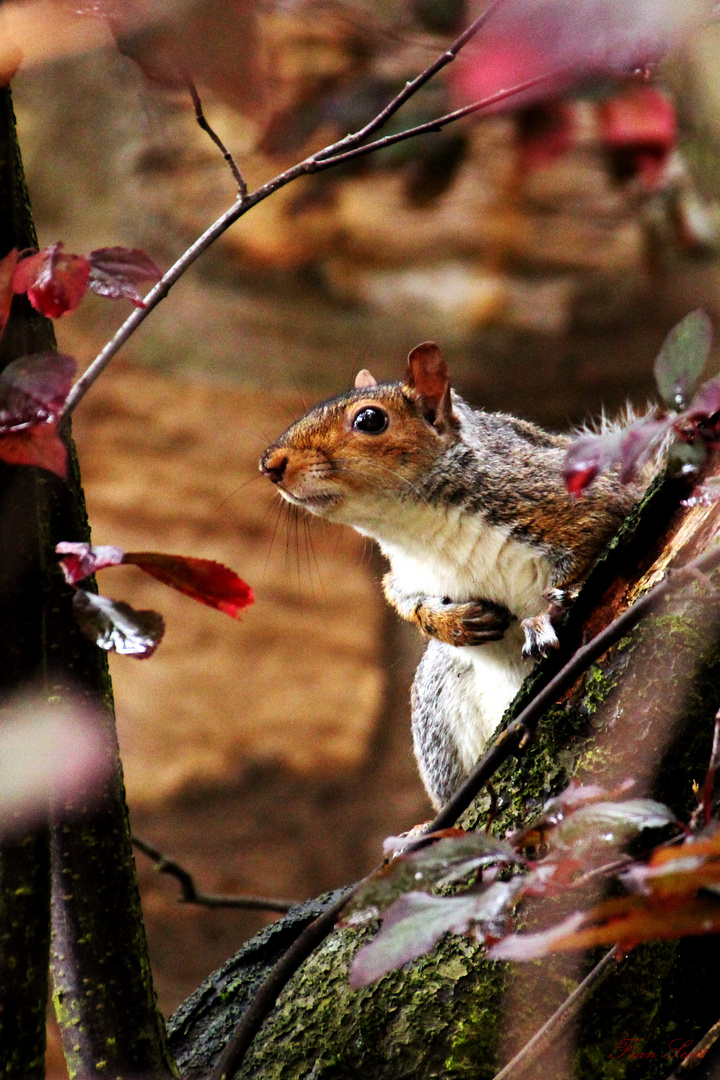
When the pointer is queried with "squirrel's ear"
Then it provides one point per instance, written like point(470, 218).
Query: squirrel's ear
point(428, 374)
point(364, 378)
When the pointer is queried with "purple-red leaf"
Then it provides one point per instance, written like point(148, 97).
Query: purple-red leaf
point(202, 579)
point(116, 271)
point(452, 855)
point(411, 927)
point(80, 560)
point(40, 446)
point(532, 946)
point(117, 627)
point(608, 824)
point(706, 402)
point(629, 447)
point(682, 357)
point(54, 280)
point(639, 441)
point(33, 390)
point(571, 41)
point(587, 456)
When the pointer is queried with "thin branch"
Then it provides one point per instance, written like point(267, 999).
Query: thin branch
point(202, 121)
point(558, 1022)
point(431, 125)
point(342, 150)
point(189, 893)
point(410, 88)
point(698, 1052)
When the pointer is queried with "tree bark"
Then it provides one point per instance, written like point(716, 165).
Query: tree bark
point(103, 990)
point(644, 711)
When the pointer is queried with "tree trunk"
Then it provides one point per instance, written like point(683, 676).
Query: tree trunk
point(644, 711)
point(103, 990)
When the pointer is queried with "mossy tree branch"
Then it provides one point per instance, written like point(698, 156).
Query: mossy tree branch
point(645, 709)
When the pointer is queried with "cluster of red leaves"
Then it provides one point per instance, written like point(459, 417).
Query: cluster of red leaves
point(117, 627)
point(692, 424)
point(579, 835)
point(33, 389)
point(56, 281)
point(636, 129)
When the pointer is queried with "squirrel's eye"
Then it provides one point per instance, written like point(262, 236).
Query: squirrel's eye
point(371, 420)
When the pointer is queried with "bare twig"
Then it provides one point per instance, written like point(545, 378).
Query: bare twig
point(554, 1027)
point(698, 1052)
point(410, 88)
point(202, 121)
point(507, 744)
point(342, 150)
point(189, 893)
point(430, 125)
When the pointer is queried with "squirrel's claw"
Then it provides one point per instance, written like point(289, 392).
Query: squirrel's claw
point(540, 636)
point(480, 621)
point(475, 622)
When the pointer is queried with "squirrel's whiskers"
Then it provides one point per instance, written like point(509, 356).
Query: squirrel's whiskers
point(485, 545)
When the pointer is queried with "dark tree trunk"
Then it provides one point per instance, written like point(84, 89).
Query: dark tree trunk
point(644, 711)
point(103, 989)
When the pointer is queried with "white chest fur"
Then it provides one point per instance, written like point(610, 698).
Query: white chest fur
point(459, 555)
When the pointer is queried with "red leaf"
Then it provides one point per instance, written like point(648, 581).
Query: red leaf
point(33, 390)
point(579, 478)
point(706, 402)
point(7, 269)
point(412, 926)
point(638, 443)
point(117, 627)
point(54, 280)
point(115, 272)
point(586, 457)
point(80, 560)
point(572, 41)
point(641, 126)
point(204, 580)
point(39, 445)
point(629, 447)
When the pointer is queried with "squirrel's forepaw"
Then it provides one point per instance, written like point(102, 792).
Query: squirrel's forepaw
point(540, 636)
point(480, 621)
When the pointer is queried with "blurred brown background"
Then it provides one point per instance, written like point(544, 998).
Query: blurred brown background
point(272, 755)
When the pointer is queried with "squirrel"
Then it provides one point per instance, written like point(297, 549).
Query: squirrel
point(486, 547)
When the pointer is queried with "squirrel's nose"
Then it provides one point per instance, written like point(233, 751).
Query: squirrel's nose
point(273, 466)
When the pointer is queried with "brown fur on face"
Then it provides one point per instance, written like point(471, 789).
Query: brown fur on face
point(322, 460)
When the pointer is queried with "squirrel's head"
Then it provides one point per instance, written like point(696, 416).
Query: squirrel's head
point(345, 457)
